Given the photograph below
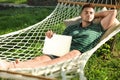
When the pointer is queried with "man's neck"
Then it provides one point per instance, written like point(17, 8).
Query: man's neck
point(85, 24)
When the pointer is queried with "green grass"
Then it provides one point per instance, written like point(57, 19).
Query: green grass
point(13, 1)
point(18, 18)
point(117, 45)
point(104, 67)
point(99, 67)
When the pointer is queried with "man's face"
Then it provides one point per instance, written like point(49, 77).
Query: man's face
point(87, 14)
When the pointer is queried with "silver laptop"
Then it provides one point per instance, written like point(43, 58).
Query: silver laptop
point(58, 45)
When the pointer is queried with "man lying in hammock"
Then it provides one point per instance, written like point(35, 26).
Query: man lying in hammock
point(85, 36)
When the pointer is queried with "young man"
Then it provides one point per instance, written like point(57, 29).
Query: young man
point(85, 35)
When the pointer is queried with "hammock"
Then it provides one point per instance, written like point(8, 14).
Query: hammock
point(27, 43)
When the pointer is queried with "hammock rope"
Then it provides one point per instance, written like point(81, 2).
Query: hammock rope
point(27, 43)
point(102, 4)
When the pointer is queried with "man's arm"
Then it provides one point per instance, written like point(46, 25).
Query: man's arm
point(108, 18)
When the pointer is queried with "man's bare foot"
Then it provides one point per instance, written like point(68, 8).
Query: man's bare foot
point(4, 65)
point(17, 61)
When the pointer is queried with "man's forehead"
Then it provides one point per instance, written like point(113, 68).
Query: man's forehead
point(88, 10)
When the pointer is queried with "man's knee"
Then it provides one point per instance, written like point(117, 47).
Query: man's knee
point(75, 52)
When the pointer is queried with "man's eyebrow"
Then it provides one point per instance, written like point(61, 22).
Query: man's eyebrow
point(89, 11)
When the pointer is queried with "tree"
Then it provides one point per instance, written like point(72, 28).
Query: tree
point(42, 2)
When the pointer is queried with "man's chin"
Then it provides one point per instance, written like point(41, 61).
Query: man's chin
point(88, 21)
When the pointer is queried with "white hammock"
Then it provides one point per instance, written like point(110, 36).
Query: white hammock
point(27, 43)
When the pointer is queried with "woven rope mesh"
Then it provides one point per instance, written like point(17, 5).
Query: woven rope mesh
point(28, 43)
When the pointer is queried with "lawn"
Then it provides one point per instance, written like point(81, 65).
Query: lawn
point(13, 19)
point(13, 1)
point(102, 66)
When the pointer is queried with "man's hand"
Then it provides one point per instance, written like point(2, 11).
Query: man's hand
point(49, 33)
point(108, 17)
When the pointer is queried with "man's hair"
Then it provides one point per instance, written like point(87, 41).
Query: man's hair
point(87, 6)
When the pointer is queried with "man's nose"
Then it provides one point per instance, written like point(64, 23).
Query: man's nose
point(88, 14)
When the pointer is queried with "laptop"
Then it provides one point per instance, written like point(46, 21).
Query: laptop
point(58, 45)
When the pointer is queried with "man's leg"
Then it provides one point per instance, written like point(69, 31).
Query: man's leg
point(68, 56)
point(4, 65)
point(24, 64)
point(41, 59)
point(37, 63)
point(44, 60)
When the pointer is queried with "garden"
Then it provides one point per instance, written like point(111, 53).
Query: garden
point(104, 63)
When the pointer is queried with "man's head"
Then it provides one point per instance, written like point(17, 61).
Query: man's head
point(87, 13)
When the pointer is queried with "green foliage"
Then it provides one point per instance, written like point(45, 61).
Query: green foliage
point(117, 42)
point(13, 1)
point(59, 28)
point(101, 66)
point(103, 50)
point(18, 18)
point(42, 2)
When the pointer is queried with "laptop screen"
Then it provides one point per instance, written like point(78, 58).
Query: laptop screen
point(58, 45)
